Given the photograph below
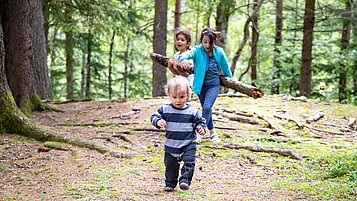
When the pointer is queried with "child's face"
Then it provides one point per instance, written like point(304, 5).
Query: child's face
point(181, 43)
point(207, 45)
point(178, 98)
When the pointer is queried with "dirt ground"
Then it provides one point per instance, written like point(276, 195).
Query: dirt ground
point(30, 172)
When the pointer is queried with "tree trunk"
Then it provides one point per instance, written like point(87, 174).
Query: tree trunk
point(88, 64)
point(12, 120)
point(69, 57)
point(223, 12)
point(159, 45)
point(306, 57)
point(110, 66)
point(254, 50)
point(278, 38)
point(26, 56)
point(177, 23)
point(224, 81)
point(246, 36)
point(345, 40)
point(354, 67)
point(83, 75)
point(126, 66)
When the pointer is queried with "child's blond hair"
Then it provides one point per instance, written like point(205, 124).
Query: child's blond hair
point(178, 83)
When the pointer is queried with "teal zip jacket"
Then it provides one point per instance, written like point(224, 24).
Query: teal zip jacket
point(201, 59)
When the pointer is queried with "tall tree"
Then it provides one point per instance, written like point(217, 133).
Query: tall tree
point(88, 65)
point(278, 39)
point(25, 46)
point(177, 22)
point(254, 46)
point(222, 18)
point(354, 68)
point(69, 56)
point(159, 79)
point(110, 65)
point(306, 58)
point(345, 40)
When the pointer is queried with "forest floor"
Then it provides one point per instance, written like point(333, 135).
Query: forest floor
point(31, 171)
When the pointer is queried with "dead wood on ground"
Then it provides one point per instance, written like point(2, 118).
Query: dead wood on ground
point(148, 129)
point(238, 118)
point(286, 153)
point(316, 117)
point(98, 124)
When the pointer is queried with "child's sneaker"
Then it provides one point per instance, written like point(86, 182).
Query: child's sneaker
point(168, 188)
point(214, 137)
point(184, 186)
point(198, 138)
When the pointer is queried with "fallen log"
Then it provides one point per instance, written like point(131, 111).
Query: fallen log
point(225, 81)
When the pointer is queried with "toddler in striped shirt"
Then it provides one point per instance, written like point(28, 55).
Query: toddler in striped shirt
point(182, 122)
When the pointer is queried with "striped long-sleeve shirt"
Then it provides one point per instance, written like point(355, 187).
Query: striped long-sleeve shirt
point(181, 126)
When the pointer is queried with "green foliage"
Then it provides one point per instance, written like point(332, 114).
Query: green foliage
point(334, 165)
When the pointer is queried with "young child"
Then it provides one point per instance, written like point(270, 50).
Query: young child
point(209, 60)
point(181, 121)
point(182, 44)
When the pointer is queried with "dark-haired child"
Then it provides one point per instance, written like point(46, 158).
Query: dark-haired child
point(209, 60)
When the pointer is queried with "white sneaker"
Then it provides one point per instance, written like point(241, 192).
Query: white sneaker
point(215, 139)
point(198, 138)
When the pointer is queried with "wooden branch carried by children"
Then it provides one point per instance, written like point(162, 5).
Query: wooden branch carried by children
point(225, 81)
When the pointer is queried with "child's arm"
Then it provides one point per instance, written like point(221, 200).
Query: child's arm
point(157, 119)
point(200, 123)
point(172, 64)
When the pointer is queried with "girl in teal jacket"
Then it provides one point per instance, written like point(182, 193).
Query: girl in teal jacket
point(208, 60)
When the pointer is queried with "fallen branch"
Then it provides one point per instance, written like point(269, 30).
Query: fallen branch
point(286, 153)
point(98, 124)
point(149, 129)
point(225, 81)
point(316, 117)
point(312, 129)
point(242, 113)
point(238, 118)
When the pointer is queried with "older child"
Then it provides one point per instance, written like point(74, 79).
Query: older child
point(209, 60)
point(181, 121)
point(182, 44)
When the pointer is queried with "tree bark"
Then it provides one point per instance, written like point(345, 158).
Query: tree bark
point(306, 57)
point(69, 57)
point(110, 65)
point(222, 18)
point(254, 47)
point(177, 22)
point(225, 81)
point(26, 56)
point(345, 41)
point(126, 65)
point(88, 65)
point(278, 39)
point(159, 45)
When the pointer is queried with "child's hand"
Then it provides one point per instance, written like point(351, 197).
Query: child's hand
point(185, 64)
point(200, 130)
point(162, 123)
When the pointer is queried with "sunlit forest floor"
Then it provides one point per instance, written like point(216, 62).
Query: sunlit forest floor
point(30, 170)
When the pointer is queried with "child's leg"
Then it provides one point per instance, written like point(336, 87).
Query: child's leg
point(207, 98)
point(188, 167)
point(172, 167)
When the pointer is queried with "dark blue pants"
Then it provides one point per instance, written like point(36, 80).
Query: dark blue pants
point(172, 165)
point(207, 98)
